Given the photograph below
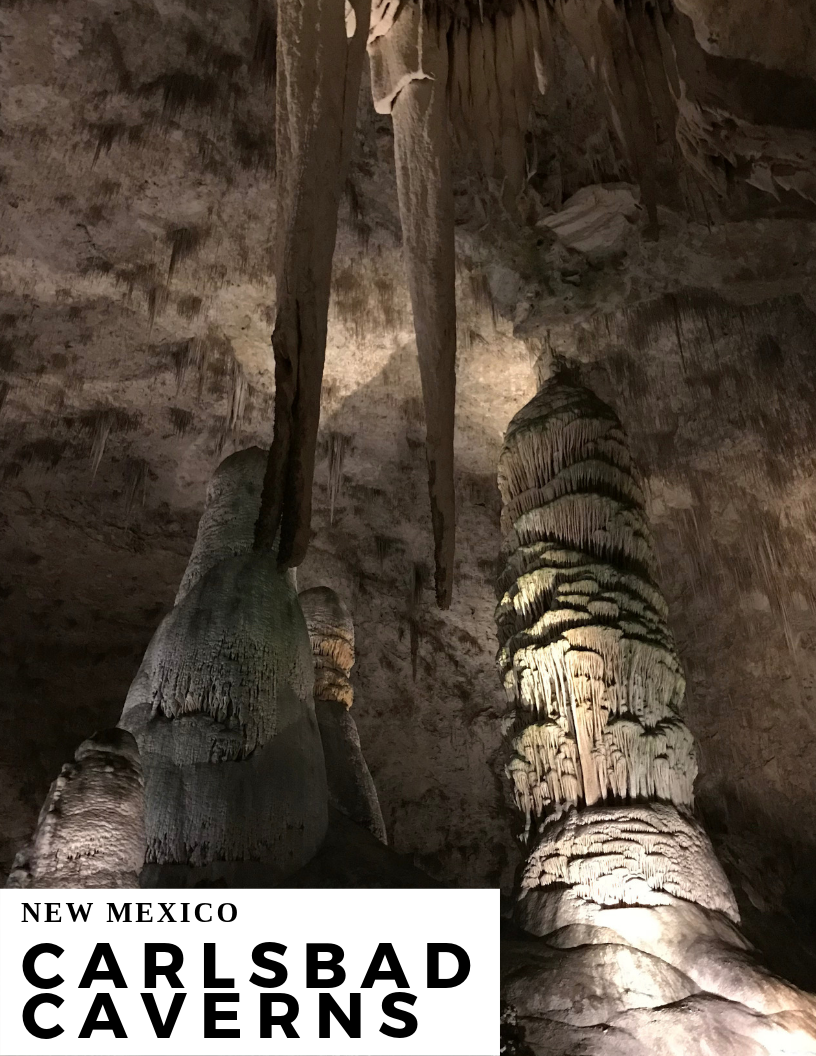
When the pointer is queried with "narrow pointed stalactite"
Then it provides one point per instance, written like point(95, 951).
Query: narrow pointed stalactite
point(629, 918)
point(409, 66)
point(318, 79)
point(331, 632)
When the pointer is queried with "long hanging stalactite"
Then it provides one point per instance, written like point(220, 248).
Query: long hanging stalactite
point(409, 80)
point(318, 79)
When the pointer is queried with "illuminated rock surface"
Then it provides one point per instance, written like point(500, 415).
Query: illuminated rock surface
point(638, 949)
point(90, 832)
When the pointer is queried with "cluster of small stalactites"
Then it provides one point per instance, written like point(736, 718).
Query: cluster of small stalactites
point(632, 855)
point(331, 632)
point(586, 657)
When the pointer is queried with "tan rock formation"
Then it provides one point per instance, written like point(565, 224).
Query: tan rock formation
point(351, 787)
point(318, 80)
point(409, 78)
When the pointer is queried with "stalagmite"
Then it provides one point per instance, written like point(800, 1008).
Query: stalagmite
point(318, 79)
point(331, 631)
point(91, 830)
point(628, 920)
point(586, 655)
point(222, 708)
point(409, 72)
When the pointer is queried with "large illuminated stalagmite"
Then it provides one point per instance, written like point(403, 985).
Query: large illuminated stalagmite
point(222, 708)
point(351, 787)
point(90, 832)
point(635, 946)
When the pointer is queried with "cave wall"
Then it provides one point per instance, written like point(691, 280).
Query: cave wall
point(137, 220)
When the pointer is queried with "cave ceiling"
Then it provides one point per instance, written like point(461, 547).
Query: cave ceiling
point(137, 299)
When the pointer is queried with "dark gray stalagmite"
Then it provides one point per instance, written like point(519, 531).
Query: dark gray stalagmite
point(632, 946)
point(351, 787)
point(409, 75)
point(320, 54)
point(222, 708)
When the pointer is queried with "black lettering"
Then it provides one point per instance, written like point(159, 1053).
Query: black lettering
point(262, 960)
point(32, 911)
point(315, 965)
point(286, 1020)
point(211, 980)
point(152, 970)
point(166, 907)
point(212, 1013)
point(30, 972)
point(385, 952)
point(199, 907)
point(102, 952)
point(351, 1023)
point(120, 915)
point(52, 913)
point(102, 1003)
point(144, 913)
point(462, 970)
point(30, 1023)
point(408, 1019)
point(222, 911)
point(163, 1029)
point(79, 911)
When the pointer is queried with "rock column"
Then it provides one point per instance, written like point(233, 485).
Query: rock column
point(620, 879)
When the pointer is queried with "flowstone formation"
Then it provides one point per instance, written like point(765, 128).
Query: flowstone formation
point(636, 948)
point(90, 832)
point(222, 709)
point(351, 787)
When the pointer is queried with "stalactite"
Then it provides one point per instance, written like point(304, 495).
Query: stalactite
point(318, 78)
point(409, 65)
point(91, 829)
point(338, 444)
point(351, 787)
